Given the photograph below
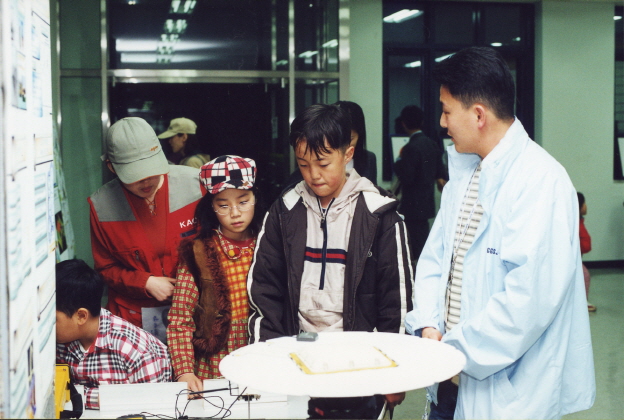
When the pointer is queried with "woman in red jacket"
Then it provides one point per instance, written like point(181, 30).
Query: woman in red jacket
point(137, 221)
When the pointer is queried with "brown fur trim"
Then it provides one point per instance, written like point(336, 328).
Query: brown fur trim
point(208, 264)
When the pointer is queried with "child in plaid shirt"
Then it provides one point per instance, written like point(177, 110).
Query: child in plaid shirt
point(101, 348)
point(209, 310)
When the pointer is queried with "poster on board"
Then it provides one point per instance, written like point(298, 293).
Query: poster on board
point(30, 222)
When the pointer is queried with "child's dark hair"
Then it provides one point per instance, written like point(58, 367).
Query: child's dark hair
point(358, 124)
point(581, 200)
point(318, 123)
point(78, 286)
point(207, 220)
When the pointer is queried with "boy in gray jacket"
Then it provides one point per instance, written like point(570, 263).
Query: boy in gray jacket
point(333, 252)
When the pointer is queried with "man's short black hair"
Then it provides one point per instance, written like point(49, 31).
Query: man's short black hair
point(413, 117)
point(78, 286)
point(318, 123)
point(479, 74)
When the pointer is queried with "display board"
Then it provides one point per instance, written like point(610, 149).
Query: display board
point(29, 232)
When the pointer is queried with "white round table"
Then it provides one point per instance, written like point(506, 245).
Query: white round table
point(269, 367)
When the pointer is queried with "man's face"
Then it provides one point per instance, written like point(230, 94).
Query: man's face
point(324, 174)
point(146, 187)
point(459, 122)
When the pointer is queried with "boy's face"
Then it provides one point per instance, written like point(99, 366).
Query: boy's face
point(66, 328)
point(324, 174)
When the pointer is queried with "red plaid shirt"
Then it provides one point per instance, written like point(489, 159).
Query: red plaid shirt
point(235, 262)
point(122, 354)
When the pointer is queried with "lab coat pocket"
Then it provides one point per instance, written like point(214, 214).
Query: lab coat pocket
point(503, 389)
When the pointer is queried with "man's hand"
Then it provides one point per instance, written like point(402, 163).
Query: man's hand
point(161, 288)
point(194, 383)
point(431, 333)
point(392, 400)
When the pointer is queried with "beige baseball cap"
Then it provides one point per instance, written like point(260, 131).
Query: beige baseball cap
point(134, 150)
point(178, 126)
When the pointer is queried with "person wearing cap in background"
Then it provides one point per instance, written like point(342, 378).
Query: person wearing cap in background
point(210, 308)
point(180, 144)
point(138, 220)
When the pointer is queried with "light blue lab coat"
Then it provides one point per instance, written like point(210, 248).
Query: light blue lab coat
point(524, 326)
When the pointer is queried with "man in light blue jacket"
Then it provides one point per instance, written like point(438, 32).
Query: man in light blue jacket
point(500, 276)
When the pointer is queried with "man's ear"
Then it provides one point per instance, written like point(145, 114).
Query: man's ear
point(82, 315)
point(480, 114)
point(110, 166)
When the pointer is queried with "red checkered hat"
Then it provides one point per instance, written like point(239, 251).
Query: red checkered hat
point(228, 172)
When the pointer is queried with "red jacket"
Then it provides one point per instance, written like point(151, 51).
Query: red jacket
point(122, 253)
point(584, 237)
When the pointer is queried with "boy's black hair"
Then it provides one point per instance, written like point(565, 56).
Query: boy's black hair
point(207, 220)
point(479, 74)
point(413, 117)
point(358, 124)
point(78, 286)
point(318, 123)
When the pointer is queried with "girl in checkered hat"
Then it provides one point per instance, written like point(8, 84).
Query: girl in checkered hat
point(209, 311)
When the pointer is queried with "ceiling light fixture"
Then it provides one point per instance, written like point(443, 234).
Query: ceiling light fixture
point(402, 15)
point(617, 17)
point(413, 64)
point(496, 44)
point(437, 60)
point(331, 44)
point(175, 26)
point(184, 7)
point(308, 54)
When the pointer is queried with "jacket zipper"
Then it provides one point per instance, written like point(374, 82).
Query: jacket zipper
point(324, 250)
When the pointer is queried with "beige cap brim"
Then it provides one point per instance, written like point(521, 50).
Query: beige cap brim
point(167, 134)
point(135, 171)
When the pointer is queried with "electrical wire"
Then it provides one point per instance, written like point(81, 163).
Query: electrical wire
point(227, 413)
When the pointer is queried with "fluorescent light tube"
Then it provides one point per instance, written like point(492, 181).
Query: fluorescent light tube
point(402, 15)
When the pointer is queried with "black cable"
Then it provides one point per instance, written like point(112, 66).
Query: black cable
point(229, 412)
point(158, 416)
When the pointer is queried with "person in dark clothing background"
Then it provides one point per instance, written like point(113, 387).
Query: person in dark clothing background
point(418, 168)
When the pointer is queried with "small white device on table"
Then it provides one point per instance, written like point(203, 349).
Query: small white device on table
point(343, 364)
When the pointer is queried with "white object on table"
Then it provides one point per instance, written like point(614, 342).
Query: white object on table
point(152, 397)
point(269, 366)
point(124, 399)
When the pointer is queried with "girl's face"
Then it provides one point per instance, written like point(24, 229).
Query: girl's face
point(227, 206)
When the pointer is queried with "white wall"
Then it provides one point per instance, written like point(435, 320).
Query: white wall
point(575, 110)
point(366, 71)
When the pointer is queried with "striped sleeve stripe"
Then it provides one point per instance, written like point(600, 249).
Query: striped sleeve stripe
point(400, 231)
point(256, 317)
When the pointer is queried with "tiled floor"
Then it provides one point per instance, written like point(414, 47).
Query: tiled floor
point(607, 324)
